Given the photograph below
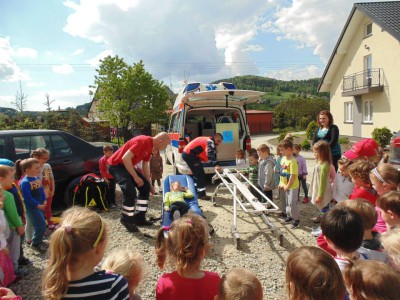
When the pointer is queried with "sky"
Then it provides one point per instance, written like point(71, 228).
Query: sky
point(54, 47)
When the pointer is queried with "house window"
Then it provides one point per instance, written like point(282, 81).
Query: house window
point(368, 29)
point(367, 111)
point(348, 112)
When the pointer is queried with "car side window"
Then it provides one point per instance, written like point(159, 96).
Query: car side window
point(2, 148)
point(25, 144)
point(60, 146)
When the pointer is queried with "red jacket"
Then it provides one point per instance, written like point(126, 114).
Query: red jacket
point(202, 147)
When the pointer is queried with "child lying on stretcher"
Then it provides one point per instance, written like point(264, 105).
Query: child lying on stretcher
point(174, 201)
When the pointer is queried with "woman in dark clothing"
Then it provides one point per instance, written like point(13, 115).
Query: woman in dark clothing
point(328, 132)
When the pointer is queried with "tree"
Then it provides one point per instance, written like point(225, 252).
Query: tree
point(128, 96)
point(298, 112)
point(48, 102)
point(20, 100)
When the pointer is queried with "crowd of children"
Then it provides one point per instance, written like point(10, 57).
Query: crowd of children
point(356, 256)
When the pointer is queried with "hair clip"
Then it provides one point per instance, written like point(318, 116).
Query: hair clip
point(189, 221)
point(68, 229)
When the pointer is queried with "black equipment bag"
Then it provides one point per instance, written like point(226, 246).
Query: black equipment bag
point(91, 192)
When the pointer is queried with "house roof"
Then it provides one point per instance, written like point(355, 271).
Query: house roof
point(386, 14)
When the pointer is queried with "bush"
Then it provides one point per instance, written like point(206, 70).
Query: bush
point(343, 140)
point(312, 126)
point(382, 136)
point(305, 145)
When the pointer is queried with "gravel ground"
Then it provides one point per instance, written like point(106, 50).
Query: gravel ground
point(260, 251)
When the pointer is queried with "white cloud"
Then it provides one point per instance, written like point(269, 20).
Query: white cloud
point(35, 84)
point(5, 101)
point(307, 72)
point(95, 61)
point(312, 23)
point(173, 37)
point(63, 69)
point(9, 70)
point(25, 52)
point(77, 52)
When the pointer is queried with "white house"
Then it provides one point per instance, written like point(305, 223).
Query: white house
point(363, 72)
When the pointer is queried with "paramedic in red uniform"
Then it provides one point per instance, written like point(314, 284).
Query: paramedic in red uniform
point(121, 166)
point(201, 149)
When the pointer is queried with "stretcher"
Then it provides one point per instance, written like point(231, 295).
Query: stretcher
point(237, 185)
point(185, 181)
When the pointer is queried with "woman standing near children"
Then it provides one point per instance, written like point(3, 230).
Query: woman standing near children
point(329, 133)
point(46, 175)
point(320, 187)
point(184, 249)
point(156, 169)
point(76, 247)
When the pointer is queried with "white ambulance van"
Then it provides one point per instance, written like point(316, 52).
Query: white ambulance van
point(205, 109)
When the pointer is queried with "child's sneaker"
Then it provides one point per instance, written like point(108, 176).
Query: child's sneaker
point(176, 215)
point(295, 224)
point(23, 261)
point(316, 231)
point(288, 220)
point(41, 248)
point(306, 200)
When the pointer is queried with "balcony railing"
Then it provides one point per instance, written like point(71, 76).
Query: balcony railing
point(368, 81)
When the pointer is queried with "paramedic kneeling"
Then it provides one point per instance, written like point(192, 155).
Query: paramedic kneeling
point(201, 149)
point(121, 166)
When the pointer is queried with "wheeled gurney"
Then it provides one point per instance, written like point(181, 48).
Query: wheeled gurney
point(243, 198)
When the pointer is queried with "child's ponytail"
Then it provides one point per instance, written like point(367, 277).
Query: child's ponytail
point(186, 244)
point(161, 248)
point(80, 230)
point(55, 281)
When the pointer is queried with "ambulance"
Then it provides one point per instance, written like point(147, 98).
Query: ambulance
point(203, 110)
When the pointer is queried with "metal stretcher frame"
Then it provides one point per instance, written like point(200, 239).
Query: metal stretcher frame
point(243, 198)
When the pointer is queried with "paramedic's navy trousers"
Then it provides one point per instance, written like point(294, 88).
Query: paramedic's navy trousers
point(194, 163)
point(133, 208)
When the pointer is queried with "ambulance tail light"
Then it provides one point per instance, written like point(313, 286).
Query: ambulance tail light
point(247, 143)
point(181, 145)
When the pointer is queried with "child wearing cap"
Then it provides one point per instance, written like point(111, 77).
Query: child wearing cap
point(366, 149)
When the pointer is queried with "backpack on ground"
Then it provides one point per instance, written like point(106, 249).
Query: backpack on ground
point(91, 191)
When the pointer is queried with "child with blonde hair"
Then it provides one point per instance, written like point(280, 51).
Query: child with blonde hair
point(240, 157)
point(48, 183)
point(359, 172)
point(239, 284)
point(129, 264)
point(343, 185)
point(320, 187)
point(266, 178)
point(311, 273)
point(384, 178)
point(174, 200)
point(184, 249)
point(289, 183)
point(391, 243)
point(371, 280)
point(76, 247)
